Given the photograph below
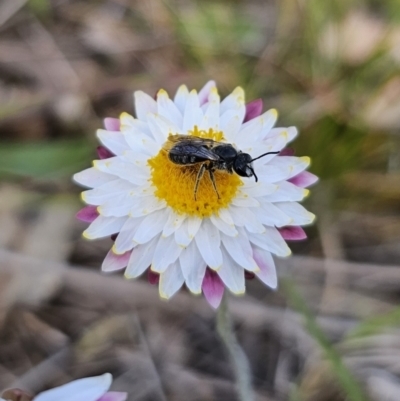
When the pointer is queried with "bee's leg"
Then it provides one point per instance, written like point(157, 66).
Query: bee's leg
point(198, 178)
point(212, 178)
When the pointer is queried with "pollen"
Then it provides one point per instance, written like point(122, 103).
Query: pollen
point(175, 183)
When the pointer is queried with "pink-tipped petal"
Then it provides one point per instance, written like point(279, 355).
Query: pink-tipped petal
point(87, 214)
point(213, 288)
point(104, 153)
point(113, 262)
point(205, 91)
point(304, 179)
point(112, 124)
point(249, 275)
point(253, 109)
point(292, 233)
point(113, 396)
point(153, 277)
point(265, 262)
point(287, 152)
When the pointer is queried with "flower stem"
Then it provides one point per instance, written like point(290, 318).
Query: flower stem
point(238, 357)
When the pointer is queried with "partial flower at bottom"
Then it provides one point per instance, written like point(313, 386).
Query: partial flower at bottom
point(203, 230)
point(88, 389)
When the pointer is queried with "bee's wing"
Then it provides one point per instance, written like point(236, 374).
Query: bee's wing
point(191, 146)
point(195, 140)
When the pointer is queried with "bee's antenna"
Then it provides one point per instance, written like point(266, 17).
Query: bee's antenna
point(255, 176)
point(265, 154)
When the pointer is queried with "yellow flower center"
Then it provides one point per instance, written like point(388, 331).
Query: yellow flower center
point(175, 183)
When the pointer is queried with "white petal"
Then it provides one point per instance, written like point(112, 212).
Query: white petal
point(228, 229)
point(287, 191)
point(145, 205)
point(194, 224)
point(146, 189)
point(107, 192)
point(293, 165)
point(211, 114)
point(150, 226)
point(182, 236)
point(247, 218)
point(141, 258)
point(104, 227)
point(193, 268)
point(126, 121)
point(275, 144)
point(138, 159)
point(231, 121)
point(88, 389)
point(232, 274)
point(234, 101)
point(171, 281)
point(133, 125)
point(173, 223)
point(208, 243)
point(116, 186)
point(269, 121)
point(205, 91)
point(118, 206)
point(187, 231)
point(167, 251)
point(124, 241)
point(240, 250)
point(225, 216)
point(270, 241)
point(127, 171)
point(291, 132)
point(113, 262)
point(93, 178)
point(181, 97)
point(161, 128)
point(193, 113)
point(249, 131)
point(267, 272)
point(244, 200)
point(272, 174)
point(299, 215)
point(257, 189)
point(113, 141)
point(169, 126)
point(260, 149)
point(237, 216)
point(134, 202)
point(144, 104)
point(167, 108)
point(140, 142)
point(204, 108)
point(252, 130)
point(270, 215)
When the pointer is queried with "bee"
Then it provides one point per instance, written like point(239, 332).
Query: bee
point(188, 150)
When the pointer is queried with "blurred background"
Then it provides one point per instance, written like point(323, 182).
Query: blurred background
point(332, 68)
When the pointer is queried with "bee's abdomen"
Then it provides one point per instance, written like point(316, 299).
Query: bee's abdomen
point(184, 159)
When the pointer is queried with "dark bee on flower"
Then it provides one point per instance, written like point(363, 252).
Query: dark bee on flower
point(187, 150)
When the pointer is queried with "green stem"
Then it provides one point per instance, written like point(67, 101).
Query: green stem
point(238, 357)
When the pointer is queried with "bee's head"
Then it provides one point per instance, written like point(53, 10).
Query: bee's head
point(243, 164)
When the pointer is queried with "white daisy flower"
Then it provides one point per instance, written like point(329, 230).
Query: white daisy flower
point(88, 389)
point(204, 231)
